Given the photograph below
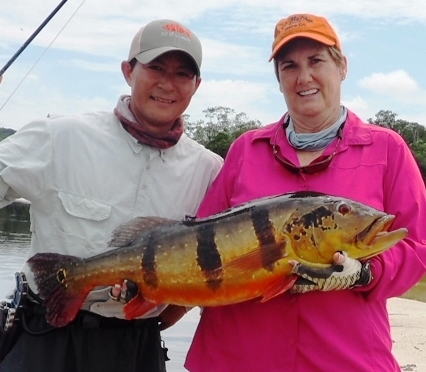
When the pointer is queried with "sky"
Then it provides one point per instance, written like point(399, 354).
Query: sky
point(73, 64)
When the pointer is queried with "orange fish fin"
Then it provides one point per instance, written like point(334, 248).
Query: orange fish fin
point(137, 307)
point(282, 285)
point(56, 284)
point(258, 258)
point(125, 234)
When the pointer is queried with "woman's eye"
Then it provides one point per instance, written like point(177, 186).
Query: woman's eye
point(316, 61)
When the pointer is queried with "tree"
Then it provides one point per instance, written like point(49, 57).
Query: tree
point(413, 133)
point(384, 118)
point(220, 129)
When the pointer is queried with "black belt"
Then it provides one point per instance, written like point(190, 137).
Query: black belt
point(87, 319)
point(84, 319)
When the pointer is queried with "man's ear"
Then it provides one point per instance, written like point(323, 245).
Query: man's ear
point(127, 70)
point(197, 83)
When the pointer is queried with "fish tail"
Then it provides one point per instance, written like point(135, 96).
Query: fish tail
point(62, 296)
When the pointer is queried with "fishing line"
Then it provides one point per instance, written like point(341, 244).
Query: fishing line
point(41, 56)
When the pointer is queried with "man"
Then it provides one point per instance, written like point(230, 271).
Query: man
point(87, 174)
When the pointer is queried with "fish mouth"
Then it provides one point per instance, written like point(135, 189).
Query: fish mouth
point(378, 227)
point(376, 236)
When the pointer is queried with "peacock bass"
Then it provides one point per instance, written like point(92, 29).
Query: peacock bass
point(237, 255)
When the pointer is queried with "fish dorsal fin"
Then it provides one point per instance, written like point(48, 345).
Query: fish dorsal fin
point(305, 194)
point(262, 257)
point(125, 233)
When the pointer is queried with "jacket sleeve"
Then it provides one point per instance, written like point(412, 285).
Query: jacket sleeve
point(24, 161)
point(401, 267)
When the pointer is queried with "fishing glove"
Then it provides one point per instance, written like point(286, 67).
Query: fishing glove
point(118, 296)
point(344, 273)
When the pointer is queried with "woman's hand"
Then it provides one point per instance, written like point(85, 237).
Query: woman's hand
point(344, 273)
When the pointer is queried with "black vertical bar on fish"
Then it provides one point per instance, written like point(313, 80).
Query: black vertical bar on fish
point(149, 266)
point(208, 256)
point(264, 229)
point(35, 33)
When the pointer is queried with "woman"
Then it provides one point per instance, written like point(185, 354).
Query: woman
point(318, 145)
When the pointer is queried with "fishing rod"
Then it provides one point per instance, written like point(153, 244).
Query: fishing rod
point(35, 33)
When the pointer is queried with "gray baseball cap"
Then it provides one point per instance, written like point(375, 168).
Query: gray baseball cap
point(162, 36)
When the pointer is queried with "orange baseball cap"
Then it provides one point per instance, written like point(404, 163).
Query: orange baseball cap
point(303, 25)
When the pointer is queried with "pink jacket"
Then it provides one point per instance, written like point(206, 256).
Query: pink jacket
point(318, 331)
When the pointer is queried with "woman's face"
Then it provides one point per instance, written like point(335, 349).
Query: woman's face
point(310, 80)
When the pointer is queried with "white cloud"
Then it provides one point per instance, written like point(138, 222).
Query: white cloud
point(93, 66)
point(398, 83)
point(233, 59)
point(359, 106)
point(236, 36)
point(239, 95)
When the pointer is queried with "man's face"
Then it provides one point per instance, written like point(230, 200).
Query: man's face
point(161, 89)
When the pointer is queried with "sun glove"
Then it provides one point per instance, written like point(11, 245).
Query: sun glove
point(344, 273)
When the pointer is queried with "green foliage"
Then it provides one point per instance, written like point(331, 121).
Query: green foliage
point(413, 133)
point(221, 127)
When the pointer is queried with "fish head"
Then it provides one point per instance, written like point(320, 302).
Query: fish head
point(319, 227)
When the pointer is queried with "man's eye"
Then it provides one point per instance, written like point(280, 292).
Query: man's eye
point(287, 67)
point(186, 74)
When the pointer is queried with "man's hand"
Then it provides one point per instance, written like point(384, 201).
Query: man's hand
point(170, 315)
point(344, 273)
point(125, 292)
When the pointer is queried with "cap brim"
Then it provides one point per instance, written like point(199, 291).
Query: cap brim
point(149, 55)
point(308, 35)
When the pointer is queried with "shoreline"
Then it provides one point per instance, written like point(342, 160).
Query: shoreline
point(408, 330)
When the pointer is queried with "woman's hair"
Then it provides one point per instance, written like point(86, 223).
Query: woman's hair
point(335, 53)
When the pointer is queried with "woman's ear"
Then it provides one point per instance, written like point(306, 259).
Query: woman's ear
point(344, 68)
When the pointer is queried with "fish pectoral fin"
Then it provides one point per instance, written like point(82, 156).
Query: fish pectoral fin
point(137, 307)
point(258, 258)
point(282, 285)
point(249, 261)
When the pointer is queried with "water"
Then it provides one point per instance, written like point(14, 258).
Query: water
point(14, 245)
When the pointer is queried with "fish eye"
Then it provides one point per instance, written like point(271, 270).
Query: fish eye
point(343, 208)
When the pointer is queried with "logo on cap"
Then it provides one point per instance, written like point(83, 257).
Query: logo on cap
point(295, 21)
point(177, 28)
